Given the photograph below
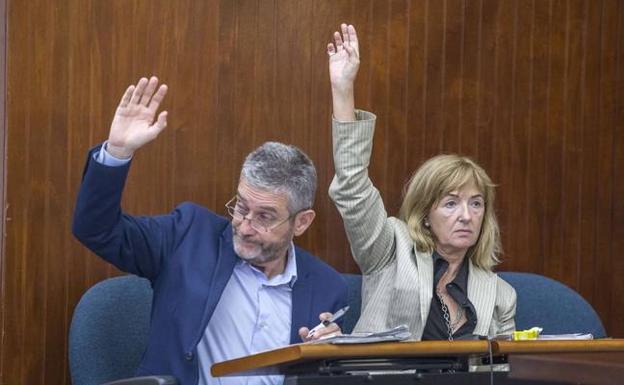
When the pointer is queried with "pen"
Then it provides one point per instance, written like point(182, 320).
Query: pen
point(335, 317)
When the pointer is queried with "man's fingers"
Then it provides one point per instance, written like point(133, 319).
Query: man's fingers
point(149, 91)
point(158, 98)
point(303, 333)
point(325, 316)
point(160, 124)
point(329, 329)
point(125, 99)
point(162, 120)
point(138, 91)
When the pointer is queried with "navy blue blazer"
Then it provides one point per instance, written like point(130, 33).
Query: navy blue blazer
point(188, 257)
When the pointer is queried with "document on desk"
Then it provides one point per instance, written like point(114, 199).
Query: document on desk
point(399, 333)
point(571, 336)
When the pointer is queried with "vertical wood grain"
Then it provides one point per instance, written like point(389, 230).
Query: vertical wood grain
point(530, 89)
point(3, 120)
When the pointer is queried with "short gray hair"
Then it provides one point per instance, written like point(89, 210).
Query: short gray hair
point(282, 168)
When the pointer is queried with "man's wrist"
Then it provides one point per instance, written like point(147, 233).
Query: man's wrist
point(118, 152)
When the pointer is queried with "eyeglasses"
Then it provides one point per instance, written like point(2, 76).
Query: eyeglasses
point(258, 223)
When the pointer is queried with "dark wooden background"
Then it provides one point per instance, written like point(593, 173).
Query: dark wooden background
point(532, 89)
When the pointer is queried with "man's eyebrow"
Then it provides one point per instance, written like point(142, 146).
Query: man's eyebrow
point(271, 209)
point(264, 208)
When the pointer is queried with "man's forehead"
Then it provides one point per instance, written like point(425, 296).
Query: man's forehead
point(261, 198)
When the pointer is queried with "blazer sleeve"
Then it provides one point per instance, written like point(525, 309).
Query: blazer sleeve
point(503, 320)
point(137, 245)
point(370, 233)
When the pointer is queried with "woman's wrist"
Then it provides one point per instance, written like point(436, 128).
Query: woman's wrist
point(343, 101)
point(342, 88)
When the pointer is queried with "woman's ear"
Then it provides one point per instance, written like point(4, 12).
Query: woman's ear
point(303, 220)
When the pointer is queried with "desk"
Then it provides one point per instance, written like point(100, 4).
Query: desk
point(283, 358)
point(312, 364)
point(596, 368)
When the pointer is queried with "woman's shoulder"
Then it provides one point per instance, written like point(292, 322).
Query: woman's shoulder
point(503, 284)
point(401, 233)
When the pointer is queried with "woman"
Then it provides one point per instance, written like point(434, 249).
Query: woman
point(431, 268)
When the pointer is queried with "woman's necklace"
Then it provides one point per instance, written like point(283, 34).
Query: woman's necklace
point(451, 325)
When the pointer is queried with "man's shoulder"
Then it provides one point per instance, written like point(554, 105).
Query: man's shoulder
point(188, 207)
point(193, 213)
point(310, 263)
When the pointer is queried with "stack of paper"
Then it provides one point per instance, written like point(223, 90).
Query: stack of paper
point(398, 333)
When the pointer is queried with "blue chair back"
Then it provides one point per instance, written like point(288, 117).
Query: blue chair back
point(108, 332)
point(542, 302)
point(551, 305)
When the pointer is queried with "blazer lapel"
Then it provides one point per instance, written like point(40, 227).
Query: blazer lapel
point(482, 294)
point(425, 284)
point(225, 264)
point(301, 298)
point(221, 274)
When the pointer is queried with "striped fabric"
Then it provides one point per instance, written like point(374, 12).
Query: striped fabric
point(398, 280)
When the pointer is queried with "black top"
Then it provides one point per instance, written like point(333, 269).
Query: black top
point(435, 328)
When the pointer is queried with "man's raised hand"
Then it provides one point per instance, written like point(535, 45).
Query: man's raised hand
point(133, 124)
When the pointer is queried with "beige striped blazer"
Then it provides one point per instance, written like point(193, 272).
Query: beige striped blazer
point(398, 280)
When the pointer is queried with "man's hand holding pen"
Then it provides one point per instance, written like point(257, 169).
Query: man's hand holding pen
point(326, 328)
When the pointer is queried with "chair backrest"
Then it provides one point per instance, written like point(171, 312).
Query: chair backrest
point(108, 332)
point(551, 305)
point(109, 328)
point(542, 302)
point(354, 300)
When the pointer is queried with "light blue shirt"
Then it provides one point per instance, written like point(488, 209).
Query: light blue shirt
point(252, 315)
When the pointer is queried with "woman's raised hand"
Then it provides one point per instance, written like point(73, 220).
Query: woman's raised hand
point(344, 61)
point(344, 58)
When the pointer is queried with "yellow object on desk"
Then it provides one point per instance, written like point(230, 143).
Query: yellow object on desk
point(526, 335)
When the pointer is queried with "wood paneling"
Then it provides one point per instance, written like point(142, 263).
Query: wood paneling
point(531, 89)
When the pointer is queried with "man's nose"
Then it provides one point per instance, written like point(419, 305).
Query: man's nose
point(245, 226)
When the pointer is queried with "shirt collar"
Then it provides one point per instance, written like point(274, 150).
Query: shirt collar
point(440, 265)
point(287, 277)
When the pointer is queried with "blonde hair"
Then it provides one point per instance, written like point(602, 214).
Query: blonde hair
point(436, 178)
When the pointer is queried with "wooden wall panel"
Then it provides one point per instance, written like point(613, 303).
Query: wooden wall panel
point(531, 89)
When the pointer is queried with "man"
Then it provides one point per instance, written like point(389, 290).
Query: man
point(221, 289)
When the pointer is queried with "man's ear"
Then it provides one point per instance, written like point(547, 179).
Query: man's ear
point(303, 220)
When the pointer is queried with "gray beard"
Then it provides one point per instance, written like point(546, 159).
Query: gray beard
point(261, 253)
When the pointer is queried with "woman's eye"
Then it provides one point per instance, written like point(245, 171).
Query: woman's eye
point(450, 204)
point(477, 204)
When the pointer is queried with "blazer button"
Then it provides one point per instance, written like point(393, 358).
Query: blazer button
point(189, 356)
